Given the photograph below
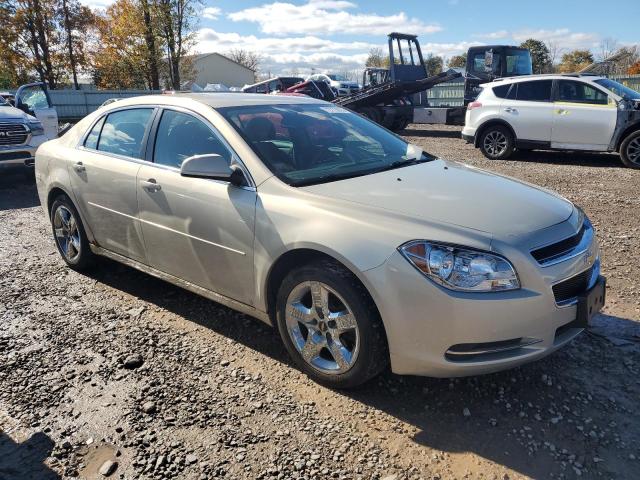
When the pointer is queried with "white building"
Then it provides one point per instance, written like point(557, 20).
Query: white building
point(216, 68)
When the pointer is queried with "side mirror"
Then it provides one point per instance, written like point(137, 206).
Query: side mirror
point(211, 166)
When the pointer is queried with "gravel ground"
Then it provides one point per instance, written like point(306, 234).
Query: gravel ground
point(119, 373)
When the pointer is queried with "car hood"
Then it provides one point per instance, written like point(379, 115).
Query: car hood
point(12, 114)
point(458, 194)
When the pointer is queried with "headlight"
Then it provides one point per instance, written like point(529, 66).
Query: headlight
point(461, 269)
point(36, 127)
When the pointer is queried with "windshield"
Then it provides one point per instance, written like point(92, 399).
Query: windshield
point(316, 143)
point(4, 103)
point(337, 78)
point(618, 89)
point(518, 62)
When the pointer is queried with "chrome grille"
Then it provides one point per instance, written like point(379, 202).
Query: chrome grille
point(13, 133)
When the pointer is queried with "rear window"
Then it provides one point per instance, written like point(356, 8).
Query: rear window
point(537, 91)
point(123, 132)
point(501, 91)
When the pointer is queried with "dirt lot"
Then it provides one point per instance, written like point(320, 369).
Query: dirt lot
point(117, 366)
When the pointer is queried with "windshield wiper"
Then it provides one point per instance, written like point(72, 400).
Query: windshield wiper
point(404, 163)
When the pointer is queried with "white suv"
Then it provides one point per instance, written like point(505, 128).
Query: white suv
point(557, 112)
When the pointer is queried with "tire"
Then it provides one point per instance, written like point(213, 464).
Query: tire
point(630, 150)
point(497, 142)
point(69, 234)
point(341, 350)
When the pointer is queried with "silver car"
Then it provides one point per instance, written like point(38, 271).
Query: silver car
point(360, 248)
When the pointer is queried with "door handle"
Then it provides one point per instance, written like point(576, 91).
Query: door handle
point(511, 110)
point(151, 185)
point(562, 111)
point(79, 167)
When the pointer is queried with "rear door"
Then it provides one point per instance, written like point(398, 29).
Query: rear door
point(529, 110)
point(103, 178)
point(34, 100)
point(584, 117)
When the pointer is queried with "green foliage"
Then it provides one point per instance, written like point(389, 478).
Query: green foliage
point(540, 57)
point(434, 64)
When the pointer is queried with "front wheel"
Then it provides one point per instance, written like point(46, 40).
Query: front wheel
point(330, 326)
point(630, 150)
point(497, 142)
point(69, 234)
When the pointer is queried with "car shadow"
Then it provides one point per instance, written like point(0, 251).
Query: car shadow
point(433, 406)
point(17, 191)
point(428, 133)
point(583, 159)
point(25, 461)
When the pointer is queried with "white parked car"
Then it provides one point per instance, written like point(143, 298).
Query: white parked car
point(556, 112)
point(361, 248)
point(338, 83)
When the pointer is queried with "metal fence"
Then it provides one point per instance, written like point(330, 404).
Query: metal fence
point(75, 104)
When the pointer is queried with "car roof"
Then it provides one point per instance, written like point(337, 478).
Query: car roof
point(543, 76)
point(217, 99)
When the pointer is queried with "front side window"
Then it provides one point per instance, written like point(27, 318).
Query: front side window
point(123, 132)
point(181, 136)
point(537, 91)
point(304, 144)
point(578, 92)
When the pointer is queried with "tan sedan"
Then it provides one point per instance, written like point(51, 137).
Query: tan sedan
point(362, 249)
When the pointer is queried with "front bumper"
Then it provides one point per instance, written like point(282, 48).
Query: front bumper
point(20, 157)
point(436, 332)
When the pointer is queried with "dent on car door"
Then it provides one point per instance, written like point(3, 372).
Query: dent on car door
point(103, 177)
point(584, 117)
point(528, 109)
point(199, 230)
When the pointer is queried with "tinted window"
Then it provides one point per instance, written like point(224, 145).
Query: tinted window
point(123, 132)
point(571, 91)
point(92, 138)
point(518, 62)
point(501, 91)
point(181, 136)
point(538, 91)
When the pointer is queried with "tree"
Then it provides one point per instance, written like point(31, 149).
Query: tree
point(608, 47)
point(376, 58)
point(13, 68)
point(575, 61)
point(634, 69)
point(76, 21)
point(555, 50)
point(177, 20)
point(458, 61)
point(153, 53)
point(540, 57)
point(434, 64)
point(251, 60)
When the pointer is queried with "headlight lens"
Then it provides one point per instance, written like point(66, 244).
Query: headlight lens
point(461, 269)
point(36, 127)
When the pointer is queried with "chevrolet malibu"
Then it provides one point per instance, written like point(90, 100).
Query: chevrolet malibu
point(359, 247)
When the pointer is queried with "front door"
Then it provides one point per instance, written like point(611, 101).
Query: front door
point(103, 177)
point(529, 110)
point(34, 99)
point(199, 230)
point(584, 118)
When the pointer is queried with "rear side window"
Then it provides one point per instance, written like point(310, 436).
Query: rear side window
point(181, 136)
point(537, 91)
point(572, 91)
point(501, 91)
point(92, 139)
point(123, 132)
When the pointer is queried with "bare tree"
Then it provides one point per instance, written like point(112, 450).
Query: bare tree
point(555, 53)
point(249, 59)
point(608, 46)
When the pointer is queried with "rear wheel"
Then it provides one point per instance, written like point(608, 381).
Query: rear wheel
point(630, 150)
point(330, 327)
point(497, 142)
point(69, 234)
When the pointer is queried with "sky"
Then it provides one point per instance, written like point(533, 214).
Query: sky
point(298, 36)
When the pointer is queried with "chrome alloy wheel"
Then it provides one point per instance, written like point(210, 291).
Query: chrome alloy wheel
point(322, 327)
point(495, 143)
point(67, 233)
point(633, 151)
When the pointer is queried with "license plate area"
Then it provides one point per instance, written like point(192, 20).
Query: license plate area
point(591, 302)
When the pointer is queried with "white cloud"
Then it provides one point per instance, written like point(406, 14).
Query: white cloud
point(564, 37)
point(97, 4)
point(211, 13)
point(327, 17)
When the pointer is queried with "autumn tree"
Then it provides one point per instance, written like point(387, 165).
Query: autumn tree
point(540, 57)
point(634, 69)
point(575, 61)
point(458, 61)
point(76, 22)
point(13, 68)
